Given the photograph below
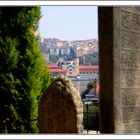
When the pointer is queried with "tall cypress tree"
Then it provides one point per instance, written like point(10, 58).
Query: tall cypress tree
point(22, 73)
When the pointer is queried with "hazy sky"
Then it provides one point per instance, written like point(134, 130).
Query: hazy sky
point(69, 22)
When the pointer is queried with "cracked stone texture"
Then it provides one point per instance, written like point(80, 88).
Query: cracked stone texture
point(61, 108)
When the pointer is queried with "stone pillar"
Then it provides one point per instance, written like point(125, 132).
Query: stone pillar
point(119, 52)
point(61, 108)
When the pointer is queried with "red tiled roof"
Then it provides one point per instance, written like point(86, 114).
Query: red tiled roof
point(88, 67)
point(58, 70)
point(55, 68)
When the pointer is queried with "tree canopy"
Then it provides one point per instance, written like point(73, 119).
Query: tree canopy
point(22, 72)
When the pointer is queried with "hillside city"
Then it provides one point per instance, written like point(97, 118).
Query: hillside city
point(73, 59)
point(77, 60)
point(54, 49)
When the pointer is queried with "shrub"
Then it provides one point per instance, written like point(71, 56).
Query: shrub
point(22, 72)
point(93, 118)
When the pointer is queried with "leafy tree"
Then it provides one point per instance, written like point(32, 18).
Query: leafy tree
point(22, 70)
point(69, 57)
point(92, 59)
point(81, 60)
point(93, 117)
point(53, 58)
point(95, 58)
point(86, 91)
point(89, 58)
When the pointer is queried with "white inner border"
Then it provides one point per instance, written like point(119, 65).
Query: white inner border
point(99, 3)
point(72, 3)
point(64, 137)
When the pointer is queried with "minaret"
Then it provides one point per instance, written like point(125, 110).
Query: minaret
point(76, 64)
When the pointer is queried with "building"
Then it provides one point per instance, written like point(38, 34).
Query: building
point(65, 51)
point(89, 72)
point(73, 70)
point(54, 50)
point(56, 71)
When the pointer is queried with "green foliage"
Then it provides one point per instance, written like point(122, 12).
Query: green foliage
point(46, 78)
point(22, 72)
point(81, 60)
point(72, 55)
point(53, 58)
point(86, 91)
point(69, 57)
point(90, 85)
point(95, 58)
point(93, 118)
point(92, 59)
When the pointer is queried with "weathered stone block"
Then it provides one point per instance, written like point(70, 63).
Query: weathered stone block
point(119, 47)
point(128, 99)
point(61, 108)
point(132, 128)
point(131, 114)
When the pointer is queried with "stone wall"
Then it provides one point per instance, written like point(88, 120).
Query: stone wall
point(123, 59)
point(61, 108)
point(129, 48)
point(106, 64)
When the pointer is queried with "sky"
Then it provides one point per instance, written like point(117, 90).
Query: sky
point(69, 22)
